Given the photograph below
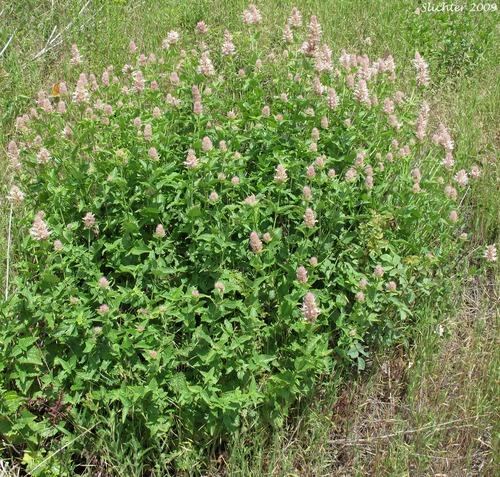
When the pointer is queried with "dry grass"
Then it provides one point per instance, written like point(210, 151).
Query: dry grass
point(7, 471)
point(435, 419)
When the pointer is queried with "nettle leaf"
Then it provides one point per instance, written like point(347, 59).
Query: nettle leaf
point(23, 344)
point(68, 366)
point(32, 356)
point(139, 250)
point(130, 225)
point(194, 212)
point(11, 401)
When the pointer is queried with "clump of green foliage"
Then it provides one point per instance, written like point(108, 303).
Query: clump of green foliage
point(215, 237)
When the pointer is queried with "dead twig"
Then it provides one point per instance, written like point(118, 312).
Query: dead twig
point(7, 44)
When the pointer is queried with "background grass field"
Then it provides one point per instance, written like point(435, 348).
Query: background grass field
point(428, 409)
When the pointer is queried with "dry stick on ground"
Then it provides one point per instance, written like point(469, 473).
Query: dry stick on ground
point(51, 35)
point(7, 44)
point(444, 425)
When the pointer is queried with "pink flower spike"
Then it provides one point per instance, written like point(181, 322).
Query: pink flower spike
point(309, 218)
point(310, 310)
point(461, 178)
point(287, 34)
point(378, 272)
point(156, 112)
point(103, 282)
point(453, 216)
point(391, 286)
point(76, 58)
point(351, 175)
point(103, 309)
point(323, 59)
point(295, 19)
point(205, 66)
point(422, 70)
point(148, 132)
point(250, 200)
point(332, 99)
point(219, 286)
point(475, 171)
point(39, 230)
point(89, 220)
point(307, 193)
point(16, 195)
point(206, 144)
point(302, 274)
point(281, 175)
point(228, 48)
point(223, 146)
point(173, 37)
point(159, 231)
point(361, 93)
point(490, 253)
point(43, 156)
point(201, 28)
point(252, 16)
point(255, 242)
point(153, 154)
point(191, 161)
point(320, 161)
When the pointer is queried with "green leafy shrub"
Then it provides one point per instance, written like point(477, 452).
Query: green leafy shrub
point(220, 228)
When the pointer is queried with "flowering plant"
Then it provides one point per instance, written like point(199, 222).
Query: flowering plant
point(200, 236)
